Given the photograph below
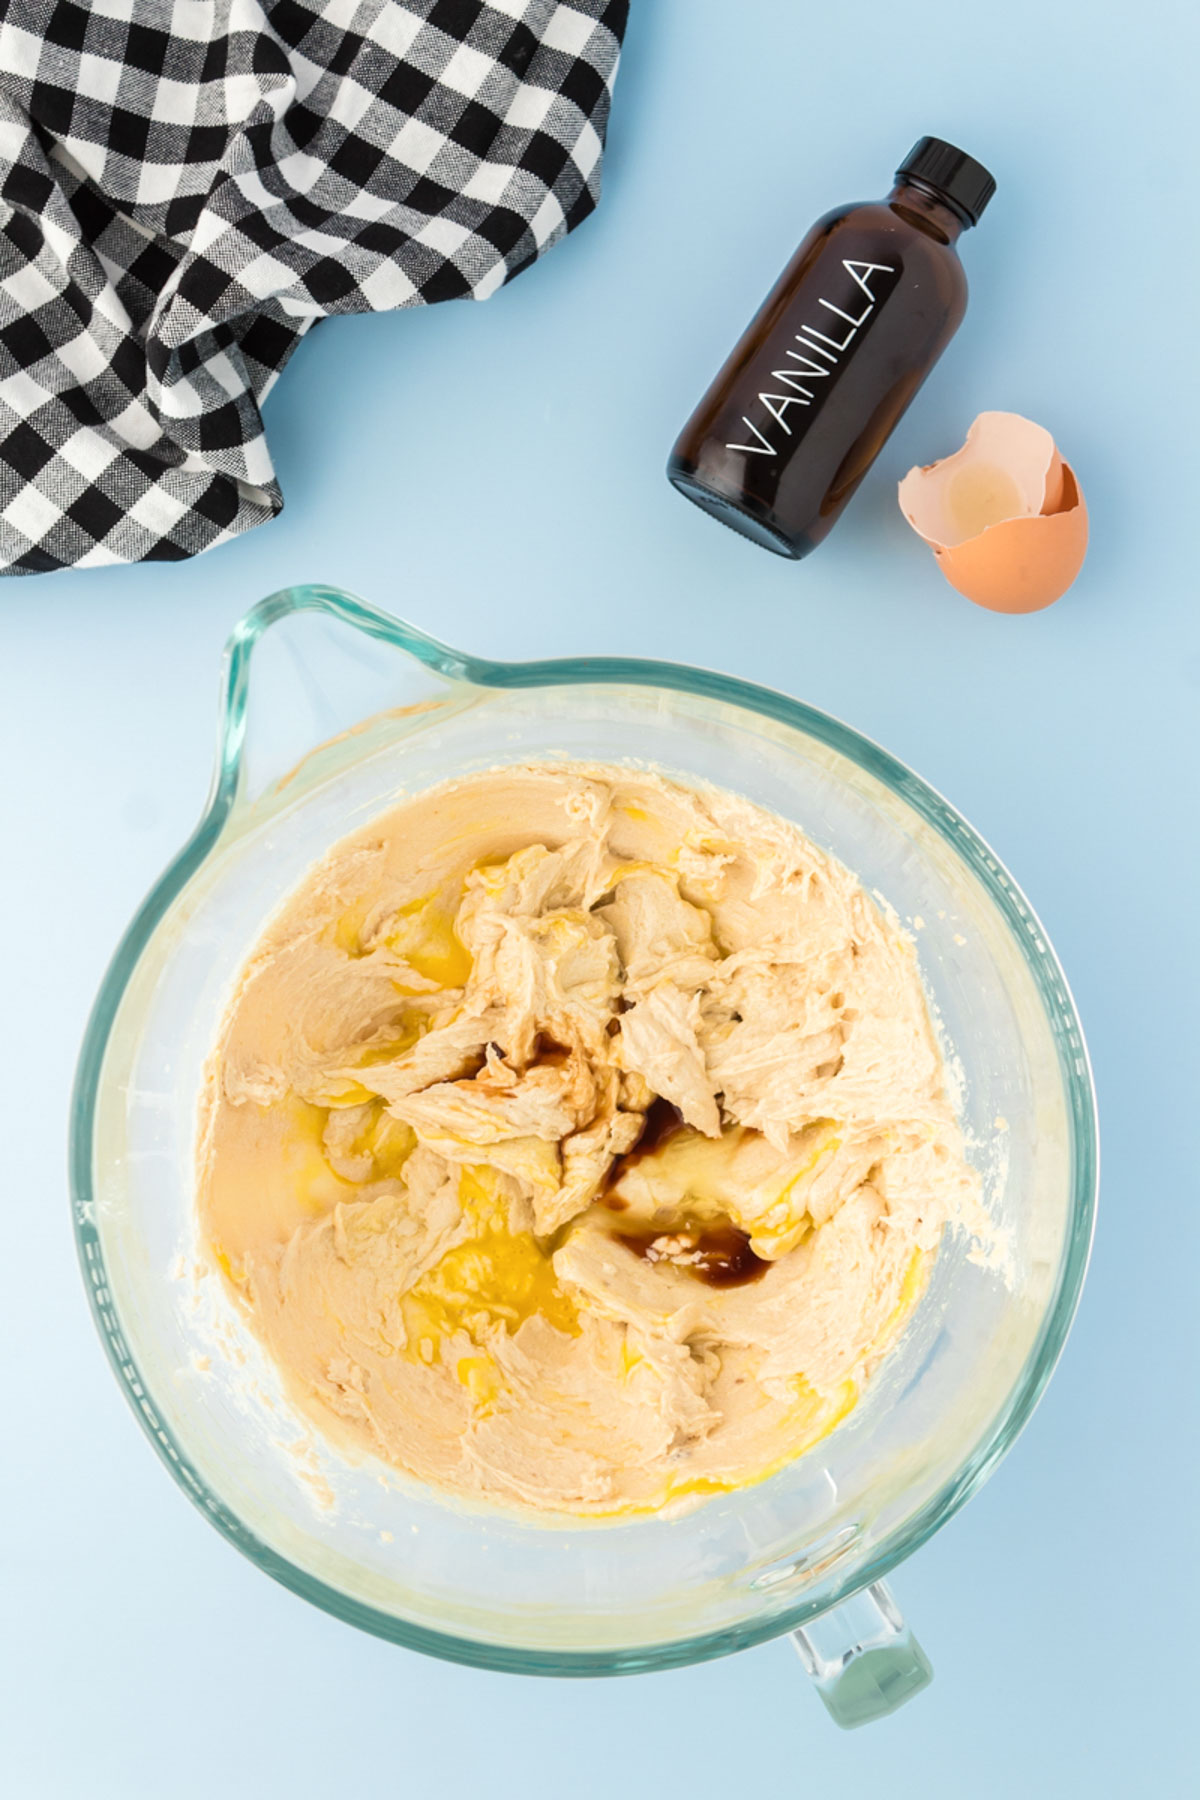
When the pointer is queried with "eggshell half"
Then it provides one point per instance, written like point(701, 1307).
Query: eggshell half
point(1004, 515)
point(1022, 565)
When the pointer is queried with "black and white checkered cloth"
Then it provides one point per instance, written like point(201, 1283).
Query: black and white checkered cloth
point(187, 185)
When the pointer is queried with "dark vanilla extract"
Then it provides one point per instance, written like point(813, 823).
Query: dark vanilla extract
point(716, 1253)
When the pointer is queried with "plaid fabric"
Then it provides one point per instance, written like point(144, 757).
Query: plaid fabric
point(187, 185)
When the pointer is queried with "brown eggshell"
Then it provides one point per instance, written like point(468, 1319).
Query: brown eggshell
point(1023, 565)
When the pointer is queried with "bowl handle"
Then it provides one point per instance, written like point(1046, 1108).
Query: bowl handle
point(310, 665)
point(863, 1659)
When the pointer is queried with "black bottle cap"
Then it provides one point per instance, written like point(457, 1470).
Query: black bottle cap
point(951, 173)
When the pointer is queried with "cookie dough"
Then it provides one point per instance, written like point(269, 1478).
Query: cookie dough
point(578, 1140)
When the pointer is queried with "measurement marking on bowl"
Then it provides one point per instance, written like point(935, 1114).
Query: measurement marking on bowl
point(815, 1561)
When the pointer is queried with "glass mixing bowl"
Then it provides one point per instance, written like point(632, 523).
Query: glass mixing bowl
point(330, 710)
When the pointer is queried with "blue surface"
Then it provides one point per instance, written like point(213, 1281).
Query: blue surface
point(496, 475)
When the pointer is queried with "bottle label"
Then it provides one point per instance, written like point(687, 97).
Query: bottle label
point(793, 393)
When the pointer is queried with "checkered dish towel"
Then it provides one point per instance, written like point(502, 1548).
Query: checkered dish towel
point(187, 185)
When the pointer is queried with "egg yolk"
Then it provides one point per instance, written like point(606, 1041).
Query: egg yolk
point(495, 1277)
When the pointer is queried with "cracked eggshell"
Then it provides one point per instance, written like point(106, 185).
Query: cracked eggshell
point(1004, 515)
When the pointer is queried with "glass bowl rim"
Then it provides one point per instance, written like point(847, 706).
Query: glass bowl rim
point(481, 672)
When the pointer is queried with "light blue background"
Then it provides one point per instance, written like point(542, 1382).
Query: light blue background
point(495, 474)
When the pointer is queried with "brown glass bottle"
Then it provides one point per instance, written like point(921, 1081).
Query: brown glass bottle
point(833, 357)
